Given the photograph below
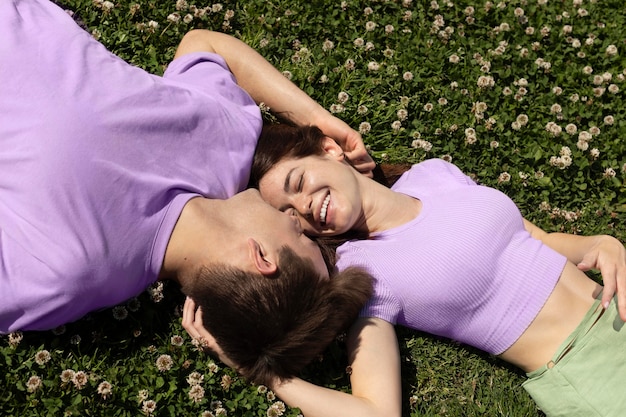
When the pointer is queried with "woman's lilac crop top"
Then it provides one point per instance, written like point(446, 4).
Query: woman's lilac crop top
point(465, 268)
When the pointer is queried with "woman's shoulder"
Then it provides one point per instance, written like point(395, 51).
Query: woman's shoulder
point(435, 171)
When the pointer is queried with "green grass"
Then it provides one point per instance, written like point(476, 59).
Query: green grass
point(410, 68)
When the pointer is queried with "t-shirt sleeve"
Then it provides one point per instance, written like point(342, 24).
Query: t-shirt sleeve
point(432, 174)
point(383, 304)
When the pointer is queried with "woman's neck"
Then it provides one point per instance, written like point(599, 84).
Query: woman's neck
point(384, 209)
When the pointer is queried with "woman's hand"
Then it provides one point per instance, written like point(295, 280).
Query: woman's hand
point(608, 255)
point(350, 141)
point(192, 322)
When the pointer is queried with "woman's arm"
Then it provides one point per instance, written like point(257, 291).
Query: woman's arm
point(375, 378)
point(266, 84)
point(601, 252)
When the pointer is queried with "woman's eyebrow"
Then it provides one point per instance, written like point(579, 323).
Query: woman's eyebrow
point(287, 180)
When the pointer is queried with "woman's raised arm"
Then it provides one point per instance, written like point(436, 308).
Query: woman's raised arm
point(266, 84)
point(375, 378)
point(601, 252)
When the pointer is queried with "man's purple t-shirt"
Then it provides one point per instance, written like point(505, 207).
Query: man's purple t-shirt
point(98, 159)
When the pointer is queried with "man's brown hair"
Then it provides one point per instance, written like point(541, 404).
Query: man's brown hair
point(272, 327)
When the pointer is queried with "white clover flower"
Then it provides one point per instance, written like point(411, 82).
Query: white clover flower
point(428, 107)
point(556, 108)
point(494, 144)
point(471, 139)
point(522, 119)
point(368, 11)
point(369, 46)
point(337, 108)
point(407, 76)
point(177, 340)
point(442, 101)
point(105, 389)
point(611, 50)
point(148, 407)
point(370, 26)
point(609, 120)
point(594, 130)
point(359, 42)
point(587, 70)
point(328, 45)
point(173, 17)
point(598, 80)
point(609, 173)
point(80, 379)
point(350, 64)
point(362, 109)
point(365, 128)
point(226, 382)
point(342, 97)
point(15, 338)
point(196, 393)
point(287, 74)
point(518, 12)
point(595, 153)
point(565, 151)
point(613, 89)
point(454, 59)
point(389, 29)
point(480, 106)
point(584, 135)
point(582, 144)
point(396, 125)
point(485, 81)
point(516, 126)
point(571, 129)
point(67, 375)
point(504, 177)
point(33, 383)
point(42, 357)
point(164, 363)
point(402, 114)
point(373, 66)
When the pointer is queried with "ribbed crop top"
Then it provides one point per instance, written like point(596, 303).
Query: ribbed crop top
point(465, 268)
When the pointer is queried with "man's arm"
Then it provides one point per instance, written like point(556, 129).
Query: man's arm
point(266, 84)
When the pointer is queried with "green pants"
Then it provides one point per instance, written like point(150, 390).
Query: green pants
point(587, 375)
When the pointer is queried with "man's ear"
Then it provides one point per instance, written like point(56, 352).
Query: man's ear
point(263, 264)
point(332, 148)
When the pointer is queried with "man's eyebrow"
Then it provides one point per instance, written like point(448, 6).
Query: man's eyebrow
point(287, 180)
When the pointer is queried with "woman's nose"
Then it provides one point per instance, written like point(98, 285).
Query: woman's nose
point(304, 207)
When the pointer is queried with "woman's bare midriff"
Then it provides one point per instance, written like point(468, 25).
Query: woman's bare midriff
point(573, 296)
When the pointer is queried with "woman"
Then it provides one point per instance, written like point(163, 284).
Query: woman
point(114, 178)
point(457, 260)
